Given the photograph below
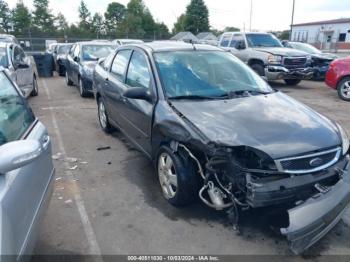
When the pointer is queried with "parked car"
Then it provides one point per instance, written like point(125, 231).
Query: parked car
point(60, 58)
point(8, 39)
point(214, 128)
point(26, 173)
point(81, 61)
point(22, 68)
point(265, 54)
point(338, 77)
point(319, 61)
point(51, 48)
point(121, 42)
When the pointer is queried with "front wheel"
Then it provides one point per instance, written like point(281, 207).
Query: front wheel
point(68, 81)
point(292, 82)
point(35, 90)
point(343, 89)
point(177, 177)
point(82, 91)
point(103, 117)
point(259, 69)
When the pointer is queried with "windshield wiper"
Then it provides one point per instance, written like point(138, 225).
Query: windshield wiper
point(240, 93)
point(194, 97)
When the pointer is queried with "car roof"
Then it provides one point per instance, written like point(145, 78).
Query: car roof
point(163, 46)
point(95, 43)
point(4, 44)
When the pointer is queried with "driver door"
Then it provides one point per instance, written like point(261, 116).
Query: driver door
point(23, 76)
point(238, 47)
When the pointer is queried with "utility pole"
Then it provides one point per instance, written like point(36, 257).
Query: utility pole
point(291, 25)
point(251, 13)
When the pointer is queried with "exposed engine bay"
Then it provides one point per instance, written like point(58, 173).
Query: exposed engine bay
point(241, 178)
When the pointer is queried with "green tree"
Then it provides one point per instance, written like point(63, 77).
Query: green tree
point(97, 25)
point(114, 16)
point(162, 31)
point(42, 17)
point(197, 17)
point(179, 26)
point(21, 19)
point(5, 16)
point(231, 29)
point(85, 19)
point(132, 25)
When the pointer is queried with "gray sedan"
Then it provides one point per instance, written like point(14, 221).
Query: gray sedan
point(21, 68)
point(26, 172)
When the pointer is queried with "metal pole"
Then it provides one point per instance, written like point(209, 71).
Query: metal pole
point(251, 12)
point(291, 25)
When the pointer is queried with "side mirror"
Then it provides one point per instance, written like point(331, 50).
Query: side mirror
point(18, 154)
point(240, 45)
point(138, 93)
point(22, 65)
point(76, 59)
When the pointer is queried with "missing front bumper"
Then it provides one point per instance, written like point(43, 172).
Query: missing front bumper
point(311, 220)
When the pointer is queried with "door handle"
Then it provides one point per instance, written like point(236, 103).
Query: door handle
point(45, 141)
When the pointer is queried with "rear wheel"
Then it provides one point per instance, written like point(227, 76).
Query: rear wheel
point(343, 89)
point(68, 81)
point(35, 90)
point(82, 91)
point(258, 68)
point(177, 177)
point(292, 82)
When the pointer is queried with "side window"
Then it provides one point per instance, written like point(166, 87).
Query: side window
point(71, 50)
point(107, 62)
point(15, 115)
point(76, 51)
point(235, 39)
point(18, 55)
point(138, 73)
point(120, 63)
point(225, 40)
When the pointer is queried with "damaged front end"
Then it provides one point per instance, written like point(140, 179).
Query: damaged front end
point(240, 178)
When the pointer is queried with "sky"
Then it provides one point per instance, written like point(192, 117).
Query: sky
point(266, 14)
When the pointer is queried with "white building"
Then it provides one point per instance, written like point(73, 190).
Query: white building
point(327, 35)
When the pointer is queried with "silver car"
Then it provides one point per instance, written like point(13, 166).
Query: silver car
point(21, 68)
point(26, 172)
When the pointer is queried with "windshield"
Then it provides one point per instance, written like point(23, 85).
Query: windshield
point(95, 52)
point(206, 73)
point(3, 57)
point(63, 49)
point(263, 40)
point(305, 47)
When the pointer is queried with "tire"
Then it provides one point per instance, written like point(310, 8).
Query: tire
point(259, 69)
point(61, 70)
point(35, 90)
point(68, 81)
point(82, 91)
point(292, 82)
point(103, 116)
point(343, 89)
point(178, 178)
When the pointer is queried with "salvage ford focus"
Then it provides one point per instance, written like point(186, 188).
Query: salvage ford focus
point(216, 130)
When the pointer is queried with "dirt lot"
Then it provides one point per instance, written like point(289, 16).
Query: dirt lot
point(109, 202)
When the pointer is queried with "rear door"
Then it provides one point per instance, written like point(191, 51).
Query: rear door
point(136, 114)
point(22, 190)
point(114, 84)
point(24, 76)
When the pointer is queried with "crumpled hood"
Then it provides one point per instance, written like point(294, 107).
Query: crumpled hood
point(276, 124)
point(325, 56)
point(282, 51)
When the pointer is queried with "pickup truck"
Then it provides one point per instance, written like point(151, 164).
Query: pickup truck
point(265, 54)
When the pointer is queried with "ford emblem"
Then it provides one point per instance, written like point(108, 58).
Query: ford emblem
point(316, 162)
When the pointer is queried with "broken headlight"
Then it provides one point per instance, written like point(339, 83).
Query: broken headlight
point(252, 158)
point(344, 139)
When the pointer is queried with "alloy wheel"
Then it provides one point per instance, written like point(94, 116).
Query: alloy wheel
point(345, 89)
point(167, 175)
point(102, 115)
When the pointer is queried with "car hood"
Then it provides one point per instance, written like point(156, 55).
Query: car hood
point(282, 51)
point(90, 64)
point(276, 124)
point(325, 56)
